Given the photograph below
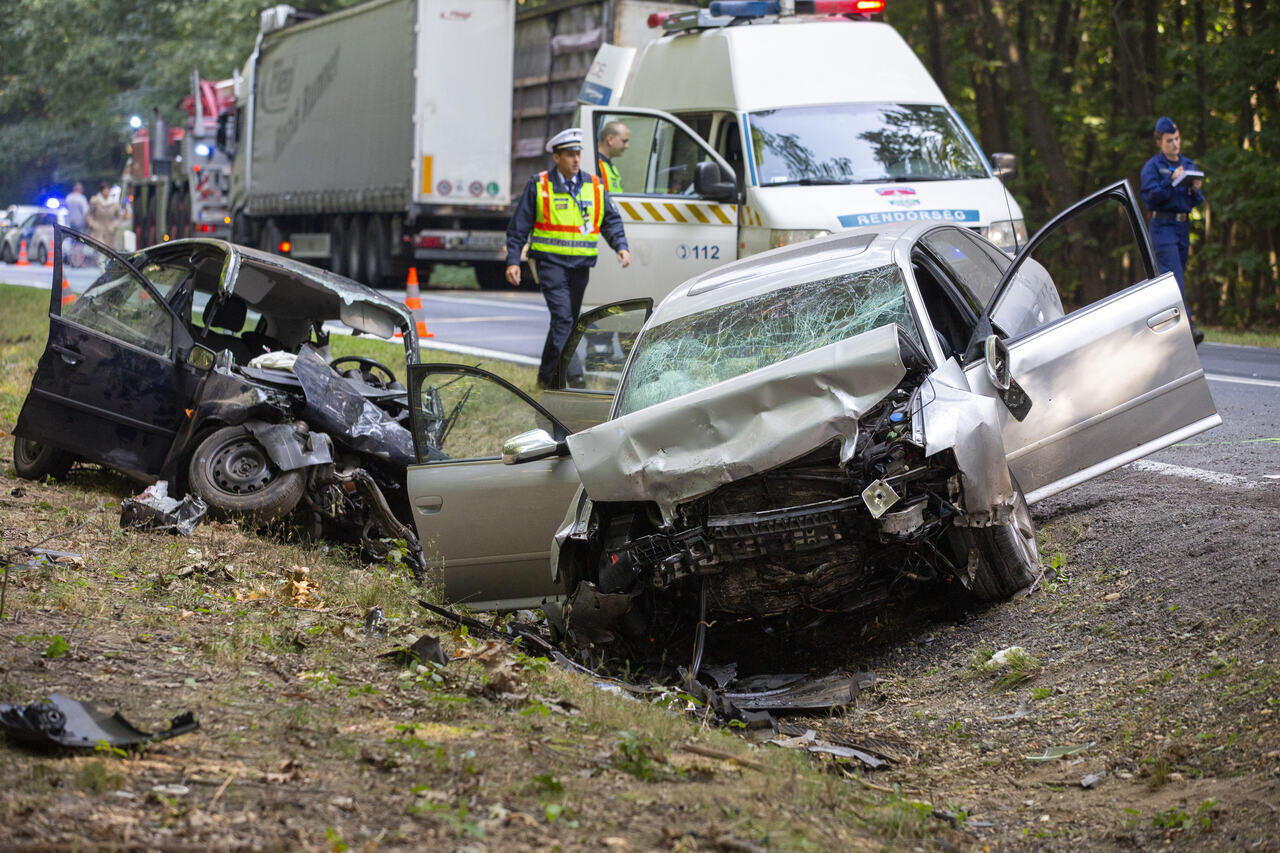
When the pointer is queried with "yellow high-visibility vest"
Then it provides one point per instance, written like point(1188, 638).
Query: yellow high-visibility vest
point(609, 174)
point(558, 227)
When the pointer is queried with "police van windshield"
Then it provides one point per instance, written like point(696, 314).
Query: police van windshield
point(860, 144)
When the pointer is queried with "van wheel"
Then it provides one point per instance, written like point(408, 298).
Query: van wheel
point(42, 254)
point(232, 473)
point(1009, 558)
point(35, 461)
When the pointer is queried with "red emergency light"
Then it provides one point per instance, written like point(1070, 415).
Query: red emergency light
point(285, 247)
point(204, 228)
point(846, 7)
point(425, 241)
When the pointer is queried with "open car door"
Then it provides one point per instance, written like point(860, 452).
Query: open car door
point(488, 524)
point(678, 203)
point(491, 524)
point(1115, 379)
point(113, 381)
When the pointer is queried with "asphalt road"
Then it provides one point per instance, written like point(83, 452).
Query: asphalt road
point(1245, 381)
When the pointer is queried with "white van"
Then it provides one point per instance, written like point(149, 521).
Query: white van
point(750, 133)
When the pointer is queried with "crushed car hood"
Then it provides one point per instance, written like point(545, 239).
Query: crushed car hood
point(686, 447)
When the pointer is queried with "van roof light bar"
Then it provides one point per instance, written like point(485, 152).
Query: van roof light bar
point(762, 8)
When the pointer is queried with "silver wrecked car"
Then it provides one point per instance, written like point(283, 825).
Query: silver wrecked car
point(803, 433)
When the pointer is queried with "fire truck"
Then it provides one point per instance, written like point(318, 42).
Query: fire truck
point(177, 181)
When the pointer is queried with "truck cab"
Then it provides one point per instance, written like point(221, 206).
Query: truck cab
point(753, 131)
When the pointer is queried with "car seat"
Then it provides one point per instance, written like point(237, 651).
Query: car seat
point(228, 314)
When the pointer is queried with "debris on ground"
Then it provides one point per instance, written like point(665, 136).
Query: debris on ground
point(1055, 752)
point(426, 649)
point(155, 510)
point(64, 722)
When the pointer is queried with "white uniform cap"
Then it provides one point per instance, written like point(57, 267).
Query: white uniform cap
point(566, 140)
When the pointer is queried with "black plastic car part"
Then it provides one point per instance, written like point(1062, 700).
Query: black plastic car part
point(64, 722)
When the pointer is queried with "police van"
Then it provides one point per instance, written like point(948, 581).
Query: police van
point(753, 125)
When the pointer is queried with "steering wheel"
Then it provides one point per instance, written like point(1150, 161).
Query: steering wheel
point(369, 368)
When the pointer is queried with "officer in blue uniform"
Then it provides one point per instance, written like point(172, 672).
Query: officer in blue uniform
point(1171, 194)
point(561, 214)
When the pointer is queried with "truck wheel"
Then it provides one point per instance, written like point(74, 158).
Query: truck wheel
point(35, 461)
point(1009, 559)
point(178, 216)
point(232, 473)
point(338, 246)
point(355, 248)
point(375, 250)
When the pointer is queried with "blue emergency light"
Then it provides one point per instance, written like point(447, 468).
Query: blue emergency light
point(722, 12)
point(53, 203)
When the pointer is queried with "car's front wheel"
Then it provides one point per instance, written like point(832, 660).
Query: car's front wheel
point(232, 473)
point(35, 461)
point(1009, 558)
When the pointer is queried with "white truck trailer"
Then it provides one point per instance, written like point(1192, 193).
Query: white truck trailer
point(398, 131)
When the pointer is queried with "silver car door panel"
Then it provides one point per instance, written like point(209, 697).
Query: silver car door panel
point(1109, 383)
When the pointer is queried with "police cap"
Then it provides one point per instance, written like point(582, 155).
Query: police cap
point(1166, 125)
point(566, 140)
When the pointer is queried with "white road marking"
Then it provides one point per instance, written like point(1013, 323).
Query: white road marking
point(1217, 478)
point(1242, 380)
point(494, 318)
point(429, 343)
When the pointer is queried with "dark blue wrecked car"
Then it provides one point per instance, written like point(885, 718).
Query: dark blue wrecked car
point(207, 364)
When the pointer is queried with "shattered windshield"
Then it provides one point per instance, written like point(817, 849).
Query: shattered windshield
point(861, 143)
point(700, 350)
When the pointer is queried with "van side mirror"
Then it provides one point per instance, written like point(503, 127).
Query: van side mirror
point(1004, 165)
point(709, 182)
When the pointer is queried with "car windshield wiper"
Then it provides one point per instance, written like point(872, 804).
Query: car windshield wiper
point(916, 179)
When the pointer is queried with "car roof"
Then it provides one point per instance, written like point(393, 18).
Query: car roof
point(272, 284)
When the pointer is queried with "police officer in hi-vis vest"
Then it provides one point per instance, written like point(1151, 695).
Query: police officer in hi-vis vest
point(562, 214)
point(615, 139)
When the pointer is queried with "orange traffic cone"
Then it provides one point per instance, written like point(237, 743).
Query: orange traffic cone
point(22, 255)
point(413, 301)
point(48, 258)
point(67, 296)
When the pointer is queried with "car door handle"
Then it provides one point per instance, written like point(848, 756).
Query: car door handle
point(69, 354)
point(429, 504)
point(1164, 318)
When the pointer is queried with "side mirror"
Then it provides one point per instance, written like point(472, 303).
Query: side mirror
point(709, 182)
point(531, 446)
point(201, 357)
point(997, 355)
point(1004, 165)
point(1001, 376)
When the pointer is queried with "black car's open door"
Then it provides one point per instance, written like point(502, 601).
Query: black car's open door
point(1113, 380)
point(109, 387)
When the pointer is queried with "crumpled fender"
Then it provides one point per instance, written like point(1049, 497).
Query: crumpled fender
point(952, 417)
point(292, 446)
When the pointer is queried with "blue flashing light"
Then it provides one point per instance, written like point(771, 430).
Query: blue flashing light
point(203, 150)
point(744, 8)
point(53, 203)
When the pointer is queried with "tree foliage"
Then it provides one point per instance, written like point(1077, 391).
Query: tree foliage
point(1074, 87)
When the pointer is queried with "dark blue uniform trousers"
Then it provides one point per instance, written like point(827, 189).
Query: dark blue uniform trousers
point(1171, 241)
point(563, 288)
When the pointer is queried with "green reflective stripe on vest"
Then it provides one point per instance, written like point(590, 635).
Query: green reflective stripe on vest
point(609, 173)
point(557, 227)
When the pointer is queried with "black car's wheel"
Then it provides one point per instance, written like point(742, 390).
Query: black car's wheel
point(233, 474)
point(6, 254)
point(42, 254)
point(35, 461)
point(1009, 559)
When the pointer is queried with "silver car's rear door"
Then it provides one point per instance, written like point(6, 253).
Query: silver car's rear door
point(1108, 383)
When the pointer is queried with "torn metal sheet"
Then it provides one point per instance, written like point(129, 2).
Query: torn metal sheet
point(335, 406)
point(810, 743)
point(684, 448)
point(792, 693)
point(591, 615)
point(155, 510)
point(426, 649)
point(64, 722)
point(951, 417)
point(292, 445)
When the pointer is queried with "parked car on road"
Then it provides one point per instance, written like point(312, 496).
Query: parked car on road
point(37, 231)
point(16, 213)
point(206, 364)
point(808, 432)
